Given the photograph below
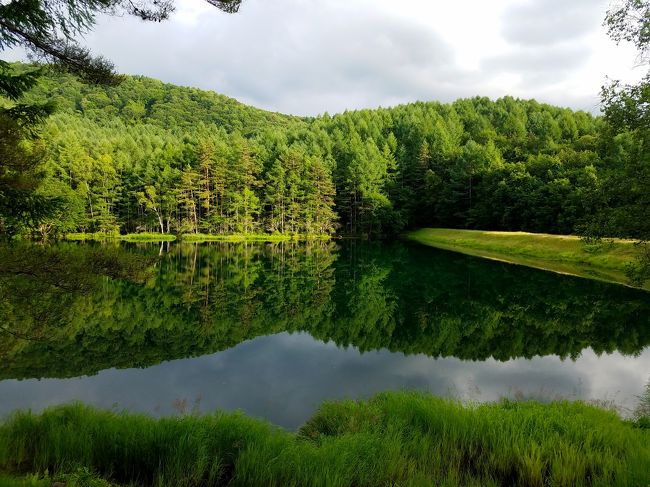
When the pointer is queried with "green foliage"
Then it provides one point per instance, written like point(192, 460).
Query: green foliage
point(81, 477)
point(21, 153)
point(627, 113)
point(151, 157)
point(33, 480)
point(147, 156)
point(392, 439)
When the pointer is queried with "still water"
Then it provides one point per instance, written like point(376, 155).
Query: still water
point(275, 329)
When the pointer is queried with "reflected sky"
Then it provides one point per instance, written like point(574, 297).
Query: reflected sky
point(284, 377)
point(276, 329)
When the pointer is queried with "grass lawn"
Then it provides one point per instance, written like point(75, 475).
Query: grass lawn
point(564, 254)
point(391, 439)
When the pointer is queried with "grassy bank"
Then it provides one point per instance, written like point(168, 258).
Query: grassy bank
point(196, 237)
point(251, 237)
point(129, 237)
point(392, 439)
point(607, 260)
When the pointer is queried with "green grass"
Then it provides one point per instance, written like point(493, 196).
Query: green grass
point(129, 237)
point(24, 481)
point(247, 237)
point(196, 237)
point(607, 260)
point(642, 412)
point(392, 439)
point(82, 477)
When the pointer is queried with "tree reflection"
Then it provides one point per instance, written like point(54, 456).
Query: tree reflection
point(121, 311)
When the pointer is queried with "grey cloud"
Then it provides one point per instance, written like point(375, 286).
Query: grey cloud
point(305, 57)
point(546, 22)
point(284, 57)
point(548, 45)
point(539, 67)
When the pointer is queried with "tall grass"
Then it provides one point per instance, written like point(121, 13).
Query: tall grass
point(392, 439)
point(642, 411)
point(82, 477)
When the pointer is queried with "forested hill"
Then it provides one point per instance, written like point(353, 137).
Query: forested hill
point(148, 156)
point(139, 99)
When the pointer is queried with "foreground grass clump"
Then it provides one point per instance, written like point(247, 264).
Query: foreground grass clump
point(82, 477)
point(610, 260)
point(392, 439)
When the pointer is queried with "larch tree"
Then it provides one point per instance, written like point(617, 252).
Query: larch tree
point(49, 31)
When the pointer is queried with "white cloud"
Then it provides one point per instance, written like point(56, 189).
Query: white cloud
point(307, 57)
point(547, 22)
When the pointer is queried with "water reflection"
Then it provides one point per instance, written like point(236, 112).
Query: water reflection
point(294, 324)
point(284, 378)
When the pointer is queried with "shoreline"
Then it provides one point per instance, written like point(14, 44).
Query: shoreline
point(562, 254)
point(195, 238)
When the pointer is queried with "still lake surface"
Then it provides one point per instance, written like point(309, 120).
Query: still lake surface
point(273, 329)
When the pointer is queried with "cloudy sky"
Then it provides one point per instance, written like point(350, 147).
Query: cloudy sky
point(310, 56)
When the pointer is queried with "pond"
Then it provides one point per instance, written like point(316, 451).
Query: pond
point(273, 329)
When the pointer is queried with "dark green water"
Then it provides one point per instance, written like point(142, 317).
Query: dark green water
point(274, 329)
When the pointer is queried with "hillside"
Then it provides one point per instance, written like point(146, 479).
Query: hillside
point(148, 156)
point(139, 99)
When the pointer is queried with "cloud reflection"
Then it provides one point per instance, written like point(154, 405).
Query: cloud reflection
point(283, 378)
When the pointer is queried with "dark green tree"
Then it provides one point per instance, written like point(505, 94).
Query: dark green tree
point(21, 152)
point(627, 108)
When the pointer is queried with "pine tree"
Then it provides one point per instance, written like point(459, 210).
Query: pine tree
point(319, 213)
point(21, 153)
point(206, 194)
point(275, 197)
point(187, 198)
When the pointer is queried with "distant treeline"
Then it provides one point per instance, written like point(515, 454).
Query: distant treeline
point(147, 156)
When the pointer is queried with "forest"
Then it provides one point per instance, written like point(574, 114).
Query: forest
point(144, 156)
